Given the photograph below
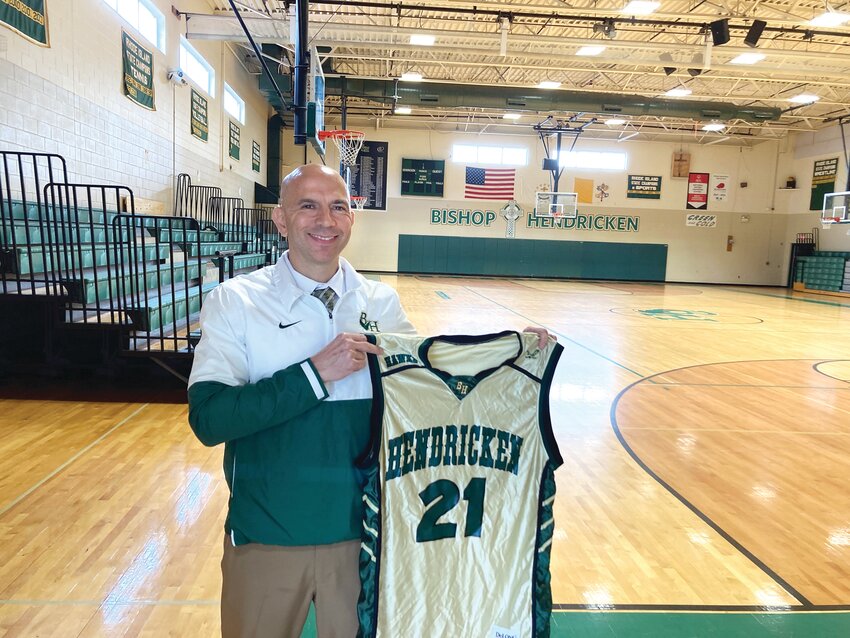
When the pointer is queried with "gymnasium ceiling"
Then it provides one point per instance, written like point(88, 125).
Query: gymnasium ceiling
point(644, 57)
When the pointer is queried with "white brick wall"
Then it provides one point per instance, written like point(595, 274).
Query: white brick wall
point(67, 99)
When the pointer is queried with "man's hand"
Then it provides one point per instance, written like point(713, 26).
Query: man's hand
point(342, 356)
point(542, 335)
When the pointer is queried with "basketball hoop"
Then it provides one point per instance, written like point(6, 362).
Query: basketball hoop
point(827, 222)
point(357, 202)
point(348, 143)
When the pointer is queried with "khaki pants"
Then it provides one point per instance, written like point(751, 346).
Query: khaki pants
point(267, 589)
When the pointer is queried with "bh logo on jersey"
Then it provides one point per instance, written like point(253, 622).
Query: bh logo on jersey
point(368, 326)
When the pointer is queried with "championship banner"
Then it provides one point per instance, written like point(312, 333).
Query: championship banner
point(644, 187)
point(697, 191)
point(138, 71)
point(199, 119)
point(234, 140)
point(719, 187)
point(255, 156)
point(26, 17)
point(823, 181)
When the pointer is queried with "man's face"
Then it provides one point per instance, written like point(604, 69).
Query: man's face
point(315, 216)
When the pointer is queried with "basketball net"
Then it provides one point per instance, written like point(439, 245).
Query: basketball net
point(357, 202)
point(348, 144)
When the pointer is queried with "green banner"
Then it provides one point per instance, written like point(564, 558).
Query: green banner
point(255, 156)
point(138, 71)
point(199, 120)
point(644, 187)
point(234, 141)
point(27, 17)
point(823, 181)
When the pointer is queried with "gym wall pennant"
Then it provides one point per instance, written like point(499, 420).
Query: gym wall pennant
point(26, 17)
point(137, 82)
point(697, 191)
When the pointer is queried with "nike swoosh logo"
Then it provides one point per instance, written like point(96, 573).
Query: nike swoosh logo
point(282, 325)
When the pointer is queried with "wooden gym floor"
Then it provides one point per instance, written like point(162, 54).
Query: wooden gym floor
point(706, 438)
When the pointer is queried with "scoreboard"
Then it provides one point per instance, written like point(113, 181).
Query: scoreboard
point(422, 177)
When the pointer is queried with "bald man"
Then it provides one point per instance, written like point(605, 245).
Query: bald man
point(280, 378)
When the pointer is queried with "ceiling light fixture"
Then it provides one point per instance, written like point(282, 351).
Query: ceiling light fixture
point(548, 84)
point(511, 116)
point(713, 127)
point(423, 39)
point(590, 50)
point(615, 121)
point(830, 18)
point(411, 76)
point(748, 58)
point(640, 7)
point(678, 91)
point(804, 98)
point(403, 110)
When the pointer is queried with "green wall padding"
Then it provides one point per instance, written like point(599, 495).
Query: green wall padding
point(435, 254)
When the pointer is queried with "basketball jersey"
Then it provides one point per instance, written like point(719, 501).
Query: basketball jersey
point(458, 520)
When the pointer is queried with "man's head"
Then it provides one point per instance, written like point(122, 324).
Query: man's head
point(314, 214)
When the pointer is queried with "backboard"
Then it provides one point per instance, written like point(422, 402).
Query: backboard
point(316, 102)
point(836, 207)
point(555, 204)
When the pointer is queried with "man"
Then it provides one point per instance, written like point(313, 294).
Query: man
point(279, 378)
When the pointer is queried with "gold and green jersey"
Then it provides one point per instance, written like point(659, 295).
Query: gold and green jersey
point(458, 523)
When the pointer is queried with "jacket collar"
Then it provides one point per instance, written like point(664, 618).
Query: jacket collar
point(290, 292)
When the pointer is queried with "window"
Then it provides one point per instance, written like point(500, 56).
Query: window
point(144, 17)
point(509, 155)
point(234, 104)
point(194, 65)
point(597, 160)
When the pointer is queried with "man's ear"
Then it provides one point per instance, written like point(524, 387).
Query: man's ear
point(279, 220)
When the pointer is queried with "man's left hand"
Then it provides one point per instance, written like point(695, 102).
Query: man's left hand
point(542, 335)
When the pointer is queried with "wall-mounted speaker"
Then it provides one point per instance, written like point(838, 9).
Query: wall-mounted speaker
point(720, 31)
point(755, 32)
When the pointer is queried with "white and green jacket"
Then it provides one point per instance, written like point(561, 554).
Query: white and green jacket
point(290, 439)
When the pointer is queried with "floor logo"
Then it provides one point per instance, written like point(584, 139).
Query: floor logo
point(678, 315)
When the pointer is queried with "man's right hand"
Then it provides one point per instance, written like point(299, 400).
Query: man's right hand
point(342, 356)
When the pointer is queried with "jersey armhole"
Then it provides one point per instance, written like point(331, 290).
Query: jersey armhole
point(545, 423)
point(369, 456)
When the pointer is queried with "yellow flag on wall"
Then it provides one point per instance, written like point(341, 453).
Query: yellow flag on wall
point(584, 189)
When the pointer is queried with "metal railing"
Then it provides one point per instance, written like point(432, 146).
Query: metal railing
point(192, 201)
point(162, 298)
point(23, 234)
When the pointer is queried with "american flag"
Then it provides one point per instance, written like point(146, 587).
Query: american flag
point(489, 183)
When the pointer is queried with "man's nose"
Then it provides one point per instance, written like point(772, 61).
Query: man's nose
point(324, 214)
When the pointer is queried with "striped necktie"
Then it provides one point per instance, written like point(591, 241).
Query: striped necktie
point(328, 298)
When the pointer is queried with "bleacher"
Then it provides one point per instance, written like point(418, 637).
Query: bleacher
point(87, 280)
point(823, 271)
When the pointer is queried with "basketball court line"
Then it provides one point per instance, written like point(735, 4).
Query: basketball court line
point(555, 332)
point(790, 297)
point(76, 456)
point(806, 603)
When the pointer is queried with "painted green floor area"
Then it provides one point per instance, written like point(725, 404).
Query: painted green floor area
point(602, 624)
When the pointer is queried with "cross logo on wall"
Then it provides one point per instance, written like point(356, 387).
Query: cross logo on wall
point(511, 212)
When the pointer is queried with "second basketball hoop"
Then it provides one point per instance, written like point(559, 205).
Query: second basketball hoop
point(347, 142)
